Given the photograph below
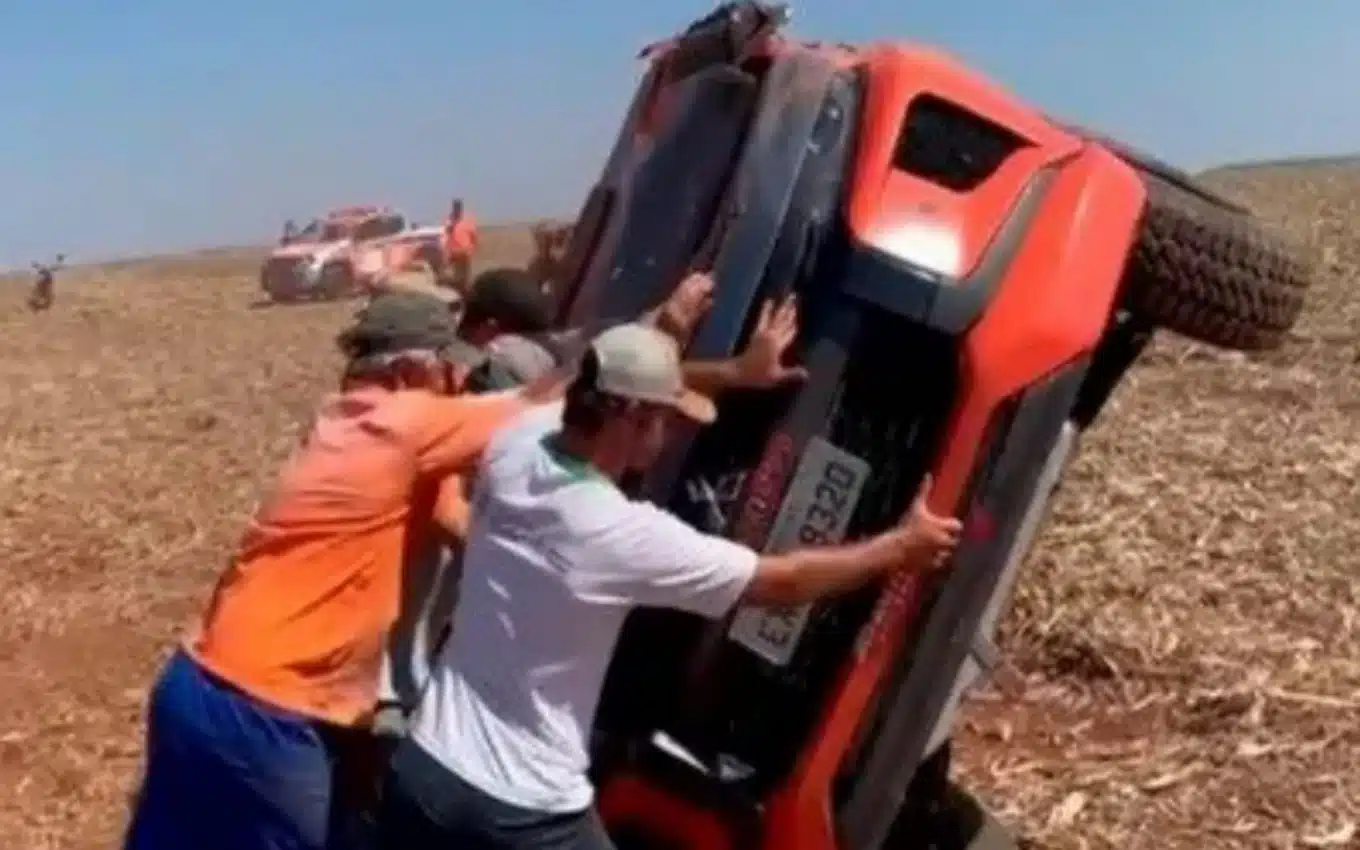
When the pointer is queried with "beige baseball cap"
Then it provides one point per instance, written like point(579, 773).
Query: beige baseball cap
point(640, 363)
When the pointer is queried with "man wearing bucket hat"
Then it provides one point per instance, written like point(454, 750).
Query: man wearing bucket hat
point(556, 558)
point(251, 718)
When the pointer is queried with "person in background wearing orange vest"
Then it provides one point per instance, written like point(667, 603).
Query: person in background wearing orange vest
point(460, 241)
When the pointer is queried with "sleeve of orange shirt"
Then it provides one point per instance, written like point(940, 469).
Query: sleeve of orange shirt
point(460, 236)
point(451, 432)
point(446, 240)
point(468, 233)
point(452, 509)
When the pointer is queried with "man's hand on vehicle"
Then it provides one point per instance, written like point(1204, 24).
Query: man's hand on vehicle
point(682, 311)
point(922, 541)
point(927, 539)
point(761, 365)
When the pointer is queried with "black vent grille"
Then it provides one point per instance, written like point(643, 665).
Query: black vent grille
point(994, 444)
point(889, 412)
point(952, 146)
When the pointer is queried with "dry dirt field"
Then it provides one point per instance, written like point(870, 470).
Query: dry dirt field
point(1187, 630)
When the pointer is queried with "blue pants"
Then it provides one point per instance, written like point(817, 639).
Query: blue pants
point(225, 772)
point(427, 807)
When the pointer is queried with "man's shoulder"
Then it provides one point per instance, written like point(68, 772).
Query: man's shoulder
point(501, 405)
point(529, 425)
point(643, 519)
point(351, 445)
point(414, 418)
point(648, 535)
point(609, 519)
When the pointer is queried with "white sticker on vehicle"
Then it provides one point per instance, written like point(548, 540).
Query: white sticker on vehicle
point(820, 503)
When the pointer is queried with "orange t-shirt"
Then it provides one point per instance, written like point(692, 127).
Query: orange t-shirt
point(300, 617)
point(460, 236)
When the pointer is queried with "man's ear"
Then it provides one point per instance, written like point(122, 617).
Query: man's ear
point(406, 374)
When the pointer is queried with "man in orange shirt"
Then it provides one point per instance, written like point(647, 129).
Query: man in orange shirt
point(249, 719)
point(460, 241)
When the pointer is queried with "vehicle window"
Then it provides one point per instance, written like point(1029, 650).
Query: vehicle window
point(950, 145)
point(370, 228)
point(378, 227)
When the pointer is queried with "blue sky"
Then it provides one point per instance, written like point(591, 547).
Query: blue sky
point(135, 125)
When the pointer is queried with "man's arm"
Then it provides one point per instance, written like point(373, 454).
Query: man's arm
point(449, 433)
point(806, 575)
point(677, 316)
point(922, 541)
point(662, 562)
point(452, 508)
point(713, 377)
point(759, 366)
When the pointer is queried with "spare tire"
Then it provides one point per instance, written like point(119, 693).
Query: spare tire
point(1213, 272)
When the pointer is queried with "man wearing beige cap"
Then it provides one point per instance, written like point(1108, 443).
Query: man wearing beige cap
point(556, 558)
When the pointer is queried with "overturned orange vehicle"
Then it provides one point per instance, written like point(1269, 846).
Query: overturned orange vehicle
point(348, 251)
point(976, 278)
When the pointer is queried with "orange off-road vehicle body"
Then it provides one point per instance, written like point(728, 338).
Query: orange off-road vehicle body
point(348, 251)
point(959, 259)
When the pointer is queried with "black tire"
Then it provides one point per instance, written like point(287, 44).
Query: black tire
point(337, 281)
point(939, 815)
point(277, 293)
point(1204, 266)
point(1213, 273)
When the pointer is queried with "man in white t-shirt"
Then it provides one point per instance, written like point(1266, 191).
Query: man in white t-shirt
point(556, 558)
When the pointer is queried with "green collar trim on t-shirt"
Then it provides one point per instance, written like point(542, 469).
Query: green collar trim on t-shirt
point(578, 468)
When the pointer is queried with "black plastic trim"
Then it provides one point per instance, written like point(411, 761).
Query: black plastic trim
point(1008, 476)
point(948, 304)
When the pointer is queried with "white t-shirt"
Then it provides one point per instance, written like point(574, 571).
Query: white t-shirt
point(556, 558)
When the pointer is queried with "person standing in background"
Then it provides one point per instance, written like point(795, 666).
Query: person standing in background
point(45, 283)
point(460, 241)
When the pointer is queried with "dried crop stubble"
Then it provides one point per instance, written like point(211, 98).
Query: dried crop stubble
point(1188, 624)
point(141, 418)
point(1187, 627)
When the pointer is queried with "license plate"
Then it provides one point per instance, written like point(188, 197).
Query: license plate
point(817, 510)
